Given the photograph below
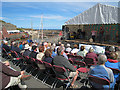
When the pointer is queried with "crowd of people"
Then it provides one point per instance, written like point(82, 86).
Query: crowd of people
point(57, 54)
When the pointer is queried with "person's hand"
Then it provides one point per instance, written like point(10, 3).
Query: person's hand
point(22, 72)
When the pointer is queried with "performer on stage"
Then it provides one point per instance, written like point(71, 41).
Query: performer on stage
point(94, 33)
point(101, 34)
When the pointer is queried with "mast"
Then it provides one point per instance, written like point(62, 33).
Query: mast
point(32, 28)
point(42, 25)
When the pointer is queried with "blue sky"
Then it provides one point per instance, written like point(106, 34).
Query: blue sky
point(55, 14)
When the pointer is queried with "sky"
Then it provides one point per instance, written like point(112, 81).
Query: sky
point(54, 14)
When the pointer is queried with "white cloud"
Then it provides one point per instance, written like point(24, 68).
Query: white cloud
point(60, 0)
point(56, 17)
point(3, 18)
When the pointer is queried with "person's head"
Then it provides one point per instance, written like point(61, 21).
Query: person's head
point(49, 44)
point(48, 53)
point(82, 48)
point(34, 48)
point(118, 48)
point(113, 55)
point(102, 59)
point(59, 51)
point(20, 43)
point(75, 46)
point(16, 44)
point(107, 48)
point(68, 45)
point(26, 47)
point(45, 44)
point(6, 42)
point(112, 49)
point(91, 50)
point(41, 49)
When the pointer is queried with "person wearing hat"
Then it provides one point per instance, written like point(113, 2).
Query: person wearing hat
point(27, 50)
point(5, 46)
point(68, 49)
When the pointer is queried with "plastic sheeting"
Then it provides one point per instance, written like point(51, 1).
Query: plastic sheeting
point(98, 14)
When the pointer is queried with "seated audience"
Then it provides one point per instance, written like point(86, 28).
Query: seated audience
point(118, 53)
point(92, 55)
point(5, 46)
point(59, 60)
point(68, 49)
point(49, 46)
point(82, 52)
point(107, 52)
point(113, 63)
point(41, 53)
point(33, 53)
point(11, 77)
point(53, 52)
point(16, 48)
point(103, 72)
point(47, 57)
point(27, 50)
point(20, 45)
point(75, 50)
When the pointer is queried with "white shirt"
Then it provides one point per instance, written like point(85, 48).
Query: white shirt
point(75, 50)
point(68, 49)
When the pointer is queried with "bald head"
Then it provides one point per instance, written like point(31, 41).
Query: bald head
point(102, 59)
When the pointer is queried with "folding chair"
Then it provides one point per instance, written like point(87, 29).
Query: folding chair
point(78, 58)
point(98, 80)
point(38, 71)
point(60, 70)
point(89, 62)
point(49, 71)
point(5, 53)
point(71, 56)
point(82, 69)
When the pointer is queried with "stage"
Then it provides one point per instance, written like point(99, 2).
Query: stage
point(92, 43)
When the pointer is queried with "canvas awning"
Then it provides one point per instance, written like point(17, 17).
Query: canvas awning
point(98, 14)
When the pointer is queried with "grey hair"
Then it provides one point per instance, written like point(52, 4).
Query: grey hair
point(112, 48)
point(102, 59)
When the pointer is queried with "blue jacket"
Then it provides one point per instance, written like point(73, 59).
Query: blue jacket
point(113, 64)
point(102, 72)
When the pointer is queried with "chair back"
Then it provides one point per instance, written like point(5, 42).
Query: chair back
point(80, 63)
point(98, 80)
point(89, 61)
point(71, 56)
point(78, 58)
point(47, 65)
point(39, 61)
point(115, 71)
point(59, 69)
point(14, 54)
point(3, 50)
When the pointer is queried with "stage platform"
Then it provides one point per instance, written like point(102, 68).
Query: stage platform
point(92, 43)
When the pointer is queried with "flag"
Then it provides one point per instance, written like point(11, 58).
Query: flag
point(60, 34)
